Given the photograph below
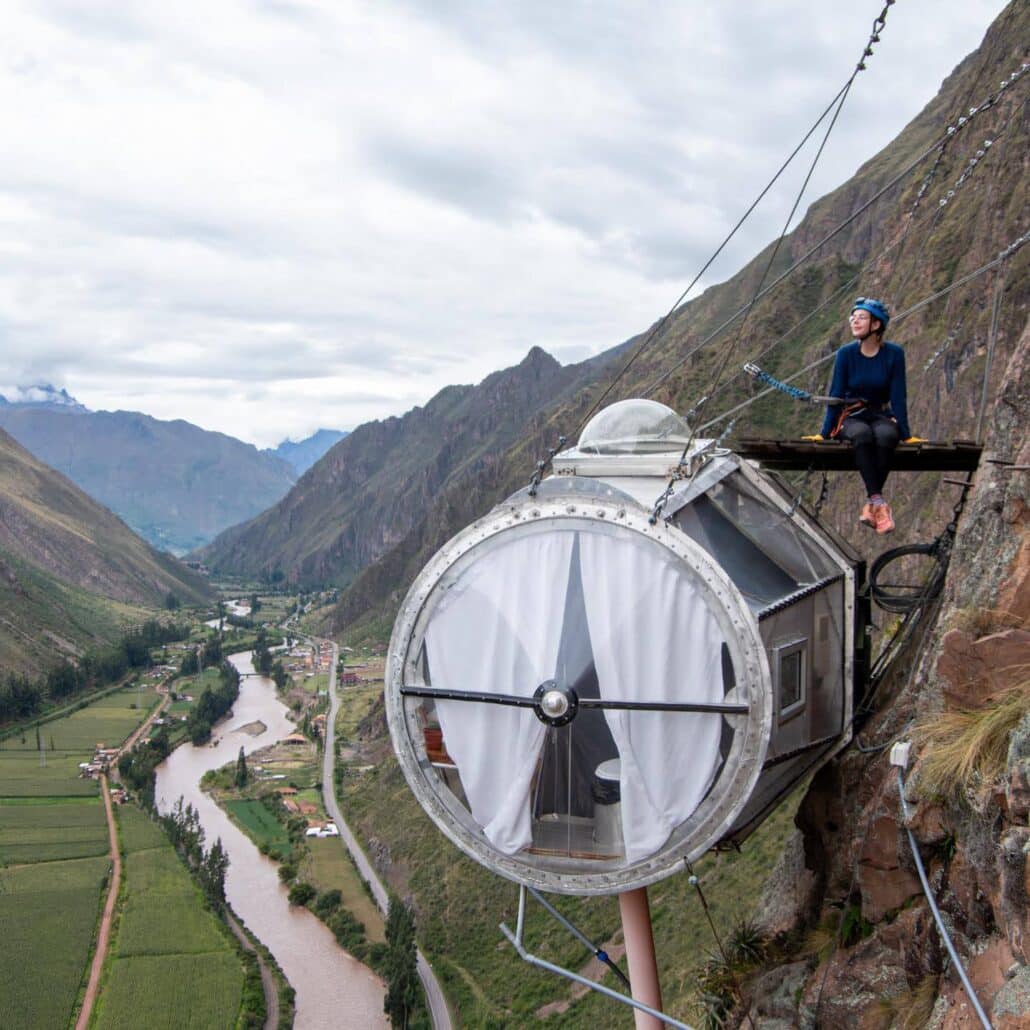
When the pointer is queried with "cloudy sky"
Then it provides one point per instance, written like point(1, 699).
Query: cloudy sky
point(266, 216)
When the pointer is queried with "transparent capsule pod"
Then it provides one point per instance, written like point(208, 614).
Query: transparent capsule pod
point(582, 697)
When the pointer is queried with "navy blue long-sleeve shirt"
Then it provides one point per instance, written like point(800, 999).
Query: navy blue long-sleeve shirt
point(880, 380)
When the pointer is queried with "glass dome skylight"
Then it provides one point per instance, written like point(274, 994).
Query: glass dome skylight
point(635, 427)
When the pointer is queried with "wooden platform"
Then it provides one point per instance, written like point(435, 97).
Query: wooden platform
point(933, 456)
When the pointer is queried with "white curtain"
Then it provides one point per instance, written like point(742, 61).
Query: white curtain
point(654, 639)
point(498, 629)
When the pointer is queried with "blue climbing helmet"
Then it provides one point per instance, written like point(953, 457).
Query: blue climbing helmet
point(875, 308)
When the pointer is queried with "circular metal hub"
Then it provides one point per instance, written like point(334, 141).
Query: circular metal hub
point(556, 705)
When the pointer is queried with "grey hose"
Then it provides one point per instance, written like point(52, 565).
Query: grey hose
point(936, 912)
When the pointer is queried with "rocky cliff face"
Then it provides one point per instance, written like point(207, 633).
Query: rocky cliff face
point(857, 945)
point(852, 858)
point(905, 247)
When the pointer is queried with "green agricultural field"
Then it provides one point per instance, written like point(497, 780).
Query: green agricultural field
point(45, 831)
point(171, 964)
point(163, 911)
point(108, 721)
point(169, 992)
point(138, 832)
point(48, 914)
point(260, 825)
point(328, 866)
point(22, 774)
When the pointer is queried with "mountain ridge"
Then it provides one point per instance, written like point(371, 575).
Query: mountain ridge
point(174, 483)
point(347, 509)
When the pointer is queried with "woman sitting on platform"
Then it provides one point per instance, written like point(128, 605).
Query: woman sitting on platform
point(869, 376)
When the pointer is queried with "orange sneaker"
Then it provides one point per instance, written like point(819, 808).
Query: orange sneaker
point(884, 518)
point(867, 518)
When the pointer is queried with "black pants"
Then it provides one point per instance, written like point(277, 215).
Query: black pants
point(873, 437)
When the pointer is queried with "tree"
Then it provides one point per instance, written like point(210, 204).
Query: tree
point(172, 601)
point(212, 870)
point(212, 653)
point(281, 676)
point(262, 655)
point(255, 604)
point(241, 770)
point(402, 987)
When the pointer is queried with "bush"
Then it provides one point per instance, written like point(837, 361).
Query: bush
point(287, 872)
point(328, 902)
point(301, 893)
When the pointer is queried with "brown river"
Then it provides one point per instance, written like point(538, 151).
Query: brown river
point(333, 990)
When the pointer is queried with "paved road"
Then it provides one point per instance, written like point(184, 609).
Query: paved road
point(434, 994)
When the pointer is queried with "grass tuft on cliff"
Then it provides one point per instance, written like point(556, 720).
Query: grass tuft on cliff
point(963, 745)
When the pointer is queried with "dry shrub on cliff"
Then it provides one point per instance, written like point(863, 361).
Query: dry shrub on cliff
point(982, 622)
point(963, 744)
point(913, 1009)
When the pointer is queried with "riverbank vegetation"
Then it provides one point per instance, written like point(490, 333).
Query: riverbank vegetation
point(213, 703)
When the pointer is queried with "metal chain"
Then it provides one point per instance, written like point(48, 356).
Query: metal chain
point(1003, 256)
point(815, 248)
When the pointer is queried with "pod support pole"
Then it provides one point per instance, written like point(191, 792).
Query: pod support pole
point(638, 924)
point(640, 955)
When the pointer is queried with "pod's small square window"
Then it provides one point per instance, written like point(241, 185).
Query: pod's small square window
point(790, 677)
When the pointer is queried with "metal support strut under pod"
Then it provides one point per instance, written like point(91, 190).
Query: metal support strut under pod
point(516, 940)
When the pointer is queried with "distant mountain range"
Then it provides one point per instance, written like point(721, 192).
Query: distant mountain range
point(304, 454)
point(71, 572)
point(175, 484)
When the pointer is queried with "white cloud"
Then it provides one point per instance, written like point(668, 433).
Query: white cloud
point(265, 217)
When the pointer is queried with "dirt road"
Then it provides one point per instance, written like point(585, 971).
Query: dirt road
point(104, 936)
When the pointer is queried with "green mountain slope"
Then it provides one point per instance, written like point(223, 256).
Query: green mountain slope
point(71, 572)
point(175, 484)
